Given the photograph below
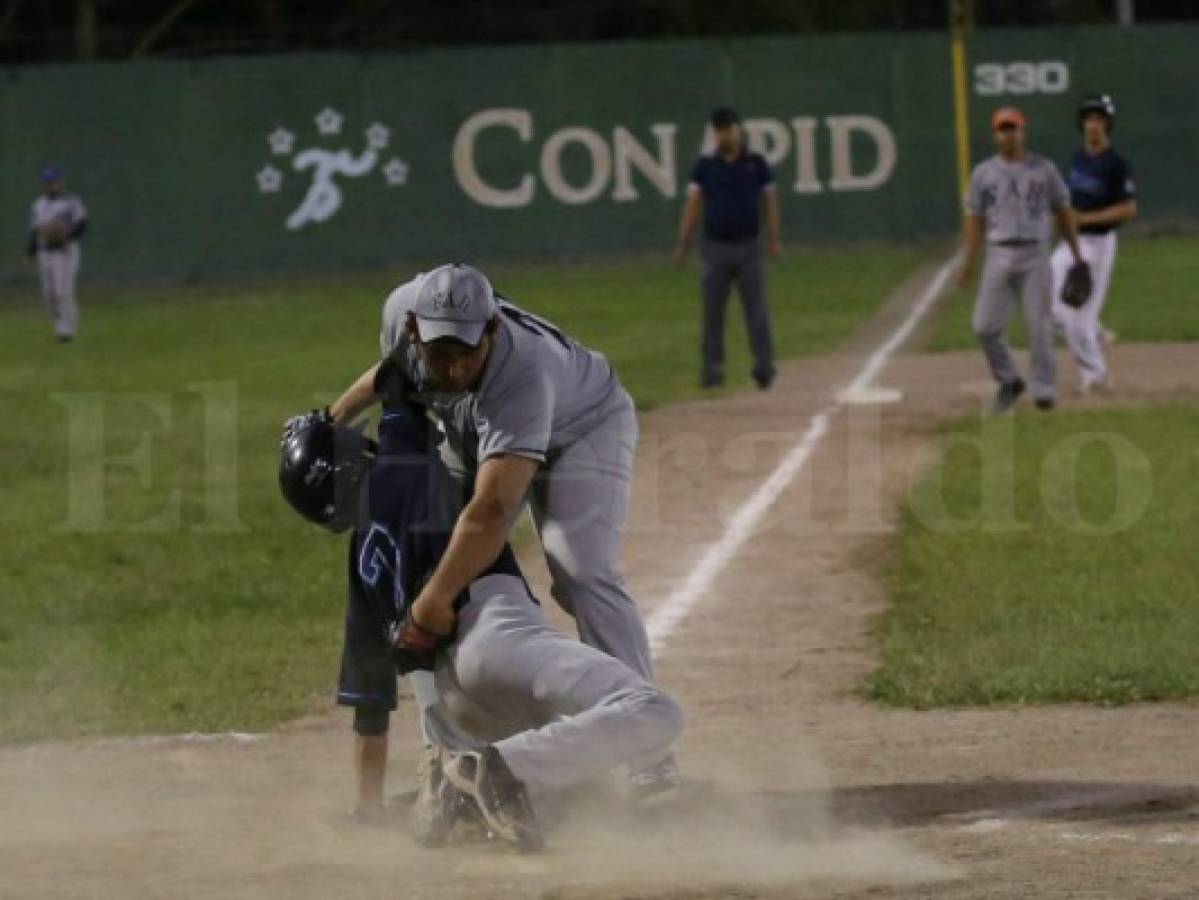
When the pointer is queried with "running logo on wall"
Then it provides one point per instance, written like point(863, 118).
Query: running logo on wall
point(324, 196)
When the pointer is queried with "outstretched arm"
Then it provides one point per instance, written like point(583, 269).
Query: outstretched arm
point(479, 535)
point(358, 398)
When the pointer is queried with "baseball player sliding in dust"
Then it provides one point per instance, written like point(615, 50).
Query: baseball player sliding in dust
point(57, 220)
point(527, 412)
point(1104, 195)
point(515, 711)
point(1011, 199)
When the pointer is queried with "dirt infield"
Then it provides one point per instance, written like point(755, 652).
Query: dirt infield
point(811, 791)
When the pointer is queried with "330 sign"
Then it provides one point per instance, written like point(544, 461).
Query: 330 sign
point(1021, 78)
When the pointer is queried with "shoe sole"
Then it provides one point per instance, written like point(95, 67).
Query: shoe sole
point(524, 839)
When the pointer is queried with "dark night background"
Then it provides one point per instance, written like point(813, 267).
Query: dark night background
point(34, 31)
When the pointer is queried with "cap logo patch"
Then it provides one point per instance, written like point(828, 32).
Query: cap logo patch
point(445, 300)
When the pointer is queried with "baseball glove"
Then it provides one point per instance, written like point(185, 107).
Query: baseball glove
point(54, 236)
point(413, 647)
point(1076, 290)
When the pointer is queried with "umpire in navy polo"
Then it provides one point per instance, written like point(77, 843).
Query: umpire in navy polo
point(735, 190)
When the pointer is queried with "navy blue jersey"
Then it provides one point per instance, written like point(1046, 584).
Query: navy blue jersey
point(410, 506)
point(1097, 182)
point(732, 195)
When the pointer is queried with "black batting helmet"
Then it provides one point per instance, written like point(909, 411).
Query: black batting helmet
point(1098, 103)
point(321, 468)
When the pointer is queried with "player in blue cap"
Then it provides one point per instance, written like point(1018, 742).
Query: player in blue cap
point(57, 220)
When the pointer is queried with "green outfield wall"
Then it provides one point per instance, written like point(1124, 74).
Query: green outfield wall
point(329, 162)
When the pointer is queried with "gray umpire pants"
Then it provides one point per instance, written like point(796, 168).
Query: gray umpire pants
point(58, 270)
point(1013, 275)
point(559, 712)
point(723, 263)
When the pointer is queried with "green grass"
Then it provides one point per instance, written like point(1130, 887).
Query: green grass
point(1154, 297)
point(1060, 569)
point(226, 613)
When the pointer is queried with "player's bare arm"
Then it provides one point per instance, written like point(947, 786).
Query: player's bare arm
point(358, 398)
point(972, 240)
point(479, 536)
point(1067, 226)
point(1116, 214)
point(692, 208)
point(774, 221)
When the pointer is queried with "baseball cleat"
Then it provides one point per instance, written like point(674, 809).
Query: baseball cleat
point(1007, 395)
point(501, 798)
point(657, 786)
point(1045, 404)
point(763, 380)
point(433, 810)
point(1094, 386)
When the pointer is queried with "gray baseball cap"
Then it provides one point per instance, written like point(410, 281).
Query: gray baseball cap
point(454, 301)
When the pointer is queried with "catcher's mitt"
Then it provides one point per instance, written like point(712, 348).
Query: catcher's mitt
point(1076, 290)
point(413, 647)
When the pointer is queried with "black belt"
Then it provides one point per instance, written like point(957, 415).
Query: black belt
point(1015, 242)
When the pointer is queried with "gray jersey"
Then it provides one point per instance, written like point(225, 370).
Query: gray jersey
point(65, 210)
point(540, 391)
point(1015, 198)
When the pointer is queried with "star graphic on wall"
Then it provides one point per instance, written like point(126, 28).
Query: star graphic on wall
point(269, 179)
point(377, 136)
point(280, 140)
point(328, 121)
point(396, 172)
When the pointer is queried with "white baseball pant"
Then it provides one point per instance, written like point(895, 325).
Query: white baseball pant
point(58, 269)
point(1081, 326)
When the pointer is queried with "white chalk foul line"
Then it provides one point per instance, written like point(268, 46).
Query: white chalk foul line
point(667, 617)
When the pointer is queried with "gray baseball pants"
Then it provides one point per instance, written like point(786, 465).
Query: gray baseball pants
point(723, 263)
point(579, 501)
point(559, 712)
point(580, 506)
point(1012, 275)
point(58, 270)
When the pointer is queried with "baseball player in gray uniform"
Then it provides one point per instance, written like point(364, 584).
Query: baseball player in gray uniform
point(514, 710)
point(57, 220)
point(527, 413)
point(1011, 199)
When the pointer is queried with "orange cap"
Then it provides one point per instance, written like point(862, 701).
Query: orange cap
point(1007, 115)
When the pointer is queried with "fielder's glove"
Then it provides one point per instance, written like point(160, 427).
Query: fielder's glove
point(413, 648)
point(1076, 290)
point(54, 236)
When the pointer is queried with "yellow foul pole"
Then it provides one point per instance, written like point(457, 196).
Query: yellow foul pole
point(959, 15)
